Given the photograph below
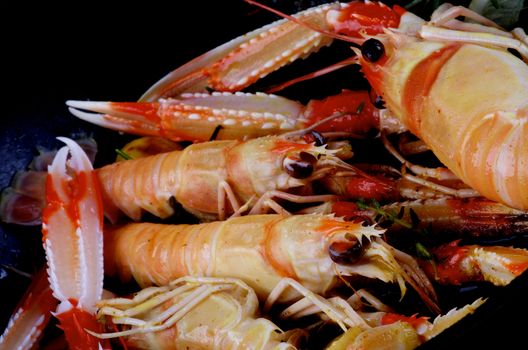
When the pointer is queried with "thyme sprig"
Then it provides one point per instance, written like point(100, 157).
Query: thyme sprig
point(382, 215)
point(387, 218)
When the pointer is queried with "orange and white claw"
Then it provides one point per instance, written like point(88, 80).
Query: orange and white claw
point(246, 59)
point(72, 238)
point(456, 264)
point(242, 61)
point(31, 316)
point(232, 116)
point(197, 116)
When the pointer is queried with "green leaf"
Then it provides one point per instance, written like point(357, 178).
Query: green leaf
point(422, 252)
point(362, 205)
point(123, 154)
point(383, 215)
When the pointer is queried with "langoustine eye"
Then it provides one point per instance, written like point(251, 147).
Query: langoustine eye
point(347, 252)
point(300, 167)
point(372, 50)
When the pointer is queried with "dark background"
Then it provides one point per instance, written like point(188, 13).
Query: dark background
point(50, 54)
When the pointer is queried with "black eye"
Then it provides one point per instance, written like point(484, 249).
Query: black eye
point(346, 252)
point(319, 139)
point(302, 167)
point(372, 50)
point(308, 158)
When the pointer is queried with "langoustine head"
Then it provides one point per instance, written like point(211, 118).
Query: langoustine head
point(333, 248)
point(465, 96)
point(275, 163)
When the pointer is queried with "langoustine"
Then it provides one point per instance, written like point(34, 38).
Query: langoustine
point(312, 249)
point(216, 179)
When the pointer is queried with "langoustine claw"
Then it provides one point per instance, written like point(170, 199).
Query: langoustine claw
point(31, 316)
point(239, 116)
point(72, 238)
point(456, 264)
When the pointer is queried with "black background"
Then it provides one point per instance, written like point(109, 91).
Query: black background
point(52, 53)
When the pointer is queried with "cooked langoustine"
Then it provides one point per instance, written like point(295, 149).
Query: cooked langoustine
point(261, 250)
point(500, 153)
point(215, 179)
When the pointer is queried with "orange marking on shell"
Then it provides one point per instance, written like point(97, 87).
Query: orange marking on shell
point(329, 226)
point(414, 321)
point(374, 72)
point(285, 146)
point(419, 84)
point(371, 18)
point(54, 203)
point(517, 267)
point(451, 259)
point(272, 252)
point(347, 102)
point(77, 189)
point(147, 109)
